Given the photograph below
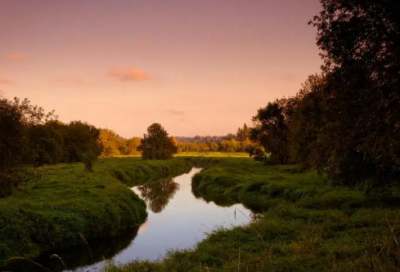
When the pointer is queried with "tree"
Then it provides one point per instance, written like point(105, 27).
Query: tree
point(306, 123)
point(132, 145)
point(16, 118)
point(213, 147)
point(80, 138)
point(360, 41)
point(156, 144)
point(108, 139)
point(243, 133)
point(46, 144)
point(270, 131)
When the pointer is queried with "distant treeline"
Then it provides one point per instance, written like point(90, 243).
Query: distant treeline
point(238, 142)
point(231, 145)
point(115, 145)
point(241, 135)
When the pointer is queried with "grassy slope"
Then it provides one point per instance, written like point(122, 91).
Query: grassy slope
point(66, 201)
point(306, 225)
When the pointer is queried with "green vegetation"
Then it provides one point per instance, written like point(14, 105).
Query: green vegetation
point(156, 145)
point(230, 143)
point(30, 137)
point(67, 201)
point(306, 224)
point(213, 154)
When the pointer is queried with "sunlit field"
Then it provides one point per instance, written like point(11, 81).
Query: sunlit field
point(213, 154)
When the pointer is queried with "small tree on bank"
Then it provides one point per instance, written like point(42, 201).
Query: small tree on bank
point(156, 144)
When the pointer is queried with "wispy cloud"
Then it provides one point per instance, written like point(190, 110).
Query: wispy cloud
point(176, 112)
point(69, 80)
point(288, 77)
point(129, 74)
point(17, 57)
point(5, 81)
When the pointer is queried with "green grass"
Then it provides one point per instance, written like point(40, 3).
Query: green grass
point(213, 154)
point(306, 224)
point(51, 212)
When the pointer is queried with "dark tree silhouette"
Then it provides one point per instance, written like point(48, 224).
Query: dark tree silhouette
point(156, 145)
point(360, 44)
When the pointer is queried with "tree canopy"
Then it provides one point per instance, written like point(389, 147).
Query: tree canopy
point(156, 144)
point(345, 121)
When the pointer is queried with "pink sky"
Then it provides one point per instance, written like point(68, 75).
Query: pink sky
point(195, 66)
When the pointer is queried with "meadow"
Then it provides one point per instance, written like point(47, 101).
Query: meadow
point(68, 206)
point(303, 223)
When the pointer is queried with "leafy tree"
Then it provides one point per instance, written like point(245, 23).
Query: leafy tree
point(270, 131)
point(16, 117)
point(213, 146)
point(79, 138)
point(132, 145)
point(111, 146)
point(156, 144)
point(360, 41)
point(46, 144)
point(258, 153)
point(306, 122)
point(243, 133)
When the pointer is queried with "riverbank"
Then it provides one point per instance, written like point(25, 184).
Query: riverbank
point(67, 204)
point(306, 224)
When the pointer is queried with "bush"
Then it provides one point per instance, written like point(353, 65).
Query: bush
point(89, 158)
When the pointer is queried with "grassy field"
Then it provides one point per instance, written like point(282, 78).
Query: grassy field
point(67, 202)
point(306, 224)
point(213, 154)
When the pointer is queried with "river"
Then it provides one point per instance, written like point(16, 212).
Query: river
point(176, 220)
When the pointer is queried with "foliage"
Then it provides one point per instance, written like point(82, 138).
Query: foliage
point(16, 119)
point(243, 133)
point(88, 159)
point(270, 131)
point(156, 144)
point(46, 144)
point(231, 145)
point(361, 135)
point(32, 137)
point(345, 121)
point(115, 145)
point(257, 153)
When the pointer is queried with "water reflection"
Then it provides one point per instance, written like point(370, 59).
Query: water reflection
point(158, 194)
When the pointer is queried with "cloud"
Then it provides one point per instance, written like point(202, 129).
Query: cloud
point(69, 80)
point(129, 74)
point(176, 112)
point(17, 57)
point(5, 81)
point(289, 77)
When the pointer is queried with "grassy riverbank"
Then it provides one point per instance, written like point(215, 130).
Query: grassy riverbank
point(306, 226)
point(51, 212)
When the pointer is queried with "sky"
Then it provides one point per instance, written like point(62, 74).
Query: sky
point(198, 67)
